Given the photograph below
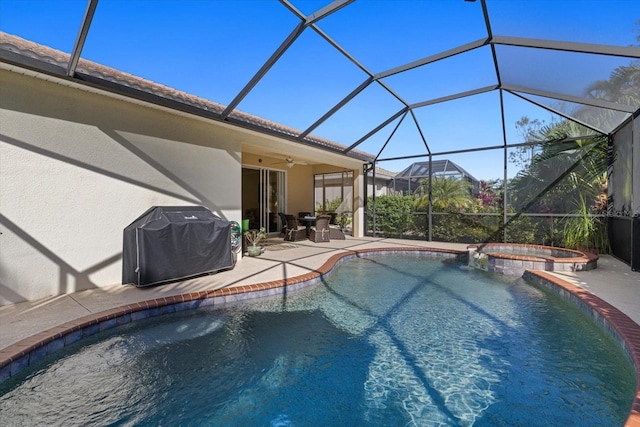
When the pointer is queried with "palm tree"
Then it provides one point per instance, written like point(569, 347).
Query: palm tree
point(447, 195)
point(562, 171)
point(622, 87)
point(581, 164)
point(567, 176)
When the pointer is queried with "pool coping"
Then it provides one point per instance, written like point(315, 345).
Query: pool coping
point(21, 354)
point(619, 325)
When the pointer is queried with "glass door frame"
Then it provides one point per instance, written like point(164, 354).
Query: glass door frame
point(346, 195)
point(268, 206)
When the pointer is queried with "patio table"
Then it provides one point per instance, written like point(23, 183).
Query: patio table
point(308, 222)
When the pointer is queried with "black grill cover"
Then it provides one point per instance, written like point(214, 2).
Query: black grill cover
point(173, 242)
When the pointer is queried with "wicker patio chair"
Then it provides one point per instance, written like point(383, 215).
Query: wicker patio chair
point(294, 231)
point(320, 233)
point(335, 231)
point(283, 221)
point(334, 216)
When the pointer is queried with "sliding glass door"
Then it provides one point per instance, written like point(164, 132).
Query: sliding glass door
point(263, 196)
point(333, 193)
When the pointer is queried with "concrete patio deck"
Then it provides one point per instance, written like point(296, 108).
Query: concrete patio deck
point(612, 281)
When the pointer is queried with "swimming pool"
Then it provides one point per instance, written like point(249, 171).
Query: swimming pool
point(351, 350)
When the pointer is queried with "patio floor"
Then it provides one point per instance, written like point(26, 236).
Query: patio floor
point(612, 281)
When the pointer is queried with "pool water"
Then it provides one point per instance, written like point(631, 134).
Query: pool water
point(387, 340)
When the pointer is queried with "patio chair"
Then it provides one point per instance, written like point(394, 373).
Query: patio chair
point(334, 216)
point(320, 233)
point(294, 231)
point(335, 231)
point(283, 221)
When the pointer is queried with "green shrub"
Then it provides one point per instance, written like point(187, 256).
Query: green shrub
point(394, 215)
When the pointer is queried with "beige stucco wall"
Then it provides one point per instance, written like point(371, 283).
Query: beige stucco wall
point(77, 167)
point(300, 189)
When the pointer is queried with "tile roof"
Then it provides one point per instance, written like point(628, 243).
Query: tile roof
point(29, 49)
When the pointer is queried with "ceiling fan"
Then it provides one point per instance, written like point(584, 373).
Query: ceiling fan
point(290, 162)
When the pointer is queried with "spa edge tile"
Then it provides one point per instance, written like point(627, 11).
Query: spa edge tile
point(91, 329)
point(139, 315)
point(230, 298)
point(19, 363)
point(5, 371)
point(123, 319)
point(180, 306)
point(55, 345)
point(107, 324)
point(37, 354)
point(168, 308)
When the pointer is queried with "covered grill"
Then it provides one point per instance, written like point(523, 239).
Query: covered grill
point(173, 242)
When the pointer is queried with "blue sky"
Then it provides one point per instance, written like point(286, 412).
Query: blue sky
point(212, 49)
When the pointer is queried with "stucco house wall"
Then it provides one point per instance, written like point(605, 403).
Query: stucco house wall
point(77, 167)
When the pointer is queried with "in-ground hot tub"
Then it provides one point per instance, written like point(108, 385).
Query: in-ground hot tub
point(513, 258)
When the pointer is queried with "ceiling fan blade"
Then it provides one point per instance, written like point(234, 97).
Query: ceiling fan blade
point(288, 160)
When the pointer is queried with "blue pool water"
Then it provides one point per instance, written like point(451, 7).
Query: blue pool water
point(386, 341)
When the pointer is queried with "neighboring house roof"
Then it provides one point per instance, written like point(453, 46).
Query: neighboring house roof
point(383, 173)
point(56, 62)
point(438, 167)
